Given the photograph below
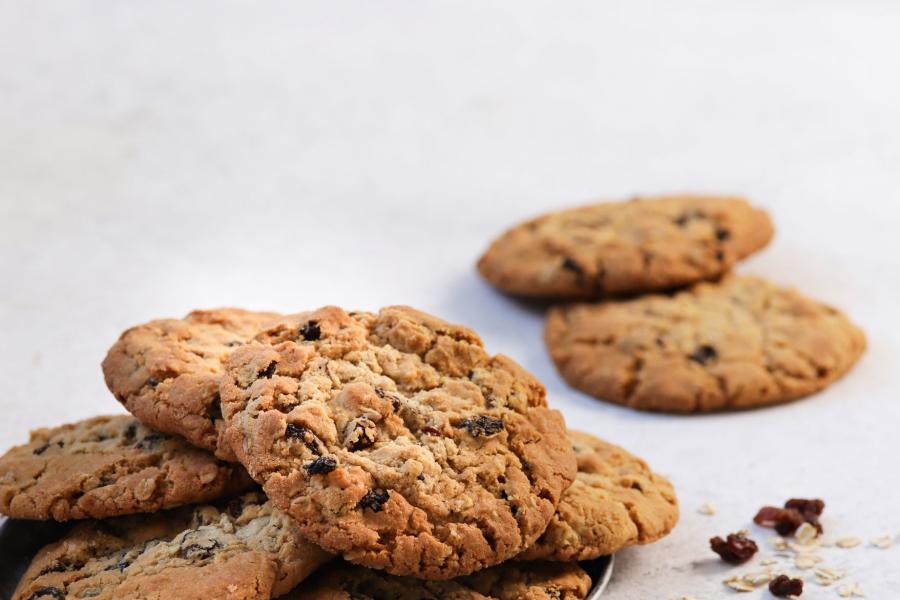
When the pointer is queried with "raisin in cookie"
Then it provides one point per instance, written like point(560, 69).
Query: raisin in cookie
point(509, 581)
point(109, 466)
point(739, 343)
point(167, 372)
point(243, 550)
point(615, 501)
point(625, 247)
point(397, 441)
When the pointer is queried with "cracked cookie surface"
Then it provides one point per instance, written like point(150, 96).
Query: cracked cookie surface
point(641, 245)
point(509, 581)
point(738, 343)
point(244, 549)
point(395, 439)
point(109, 466)
point(166, 372)
point(614, 502)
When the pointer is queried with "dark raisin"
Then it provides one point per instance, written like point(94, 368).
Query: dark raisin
point(363, 435)
point(47, 592)
point(153, 382)
point(119, 566)
point(311, 331)
point(130, 432)
point(54, 568)
point(269, 371)
point(569, 264)
point(482, 425)
point(151, 440)
point(682, 219)
point(233, 343)
point(321, 465)
point(235, 507)
point(703, 354)
point(788, 522)
point(299, 432)
point(735, 549)
point(379, 392)
point(199, 551)
point(41, 449)
point(430, 431)
point(805, 506)
point(783, 586)
point(722, 234)
point(374, 500)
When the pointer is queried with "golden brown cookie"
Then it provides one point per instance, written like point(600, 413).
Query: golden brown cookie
point(739, 343)
point(395, 440)
point(109, 466)
point(243, 550)
point(641, 245)
point(615, 501)
point(167, 372)
point(509, 581)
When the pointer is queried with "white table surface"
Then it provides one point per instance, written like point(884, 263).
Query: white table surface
point(156, 157)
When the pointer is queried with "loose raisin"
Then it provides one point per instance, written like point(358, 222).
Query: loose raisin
point(482, 425)
point(735, 549)
point(374, 500)
point(311, 331)
point(814, 506)
point(785, 520)
point(321, 465)
point(703, 354)
point(783, 586)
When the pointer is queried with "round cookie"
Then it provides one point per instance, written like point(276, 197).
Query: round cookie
point(738, 343)
point(109, 466)
point(509, 581)
point(396, 440)
point(615, 501)
point(645, 244)
point(167, 372)
point(243, 550)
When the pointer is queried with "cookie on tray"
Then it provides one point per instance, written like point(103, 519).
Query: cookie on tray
point(615, 501)
point(738, 343)
point(396, 440)
point(167, 372)
point(243, 550)
point(109, 466)
point(509, 581)
point(646, 244)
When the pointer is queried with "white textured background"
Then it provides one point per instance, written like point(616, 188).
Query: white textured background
point(156, 157)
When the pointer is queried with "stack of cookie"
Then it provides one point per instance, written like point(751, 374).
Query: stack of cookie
point(699, 339)
point(326, 454)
